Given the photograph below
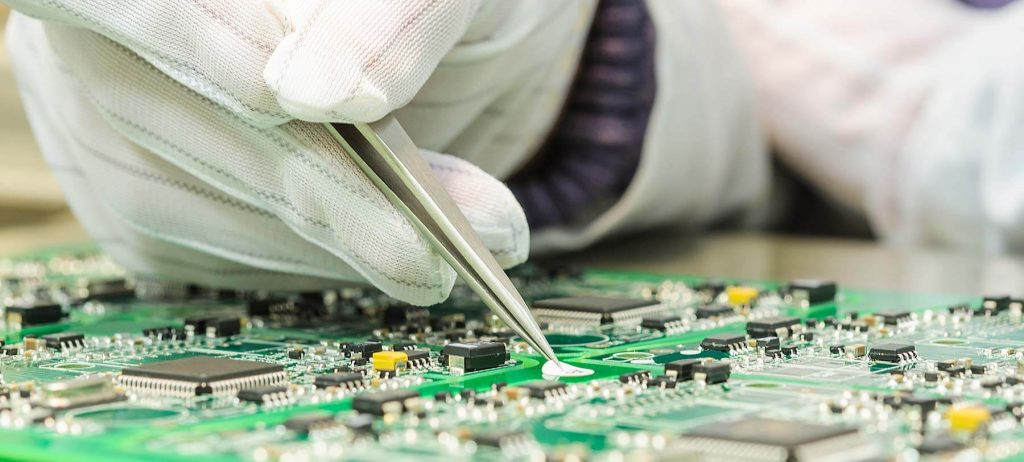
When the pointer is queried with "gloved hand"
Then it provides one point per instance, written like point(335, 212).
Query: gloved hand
point(171, 125)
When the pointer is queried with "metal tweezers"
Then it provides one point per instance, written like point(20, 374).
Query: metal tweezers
point(392, 161)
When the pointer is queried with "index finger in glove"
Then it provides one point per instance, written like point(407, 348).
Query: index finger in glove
point(352, 60)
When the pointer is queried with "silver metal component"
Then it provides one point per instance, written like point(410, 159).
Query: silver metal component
point(389, 158)
point(78, 392)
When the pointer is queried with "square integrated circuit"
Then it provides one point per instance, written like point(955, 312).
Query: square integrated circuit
point(760, 439)
point(596, 311)
point(201, 375)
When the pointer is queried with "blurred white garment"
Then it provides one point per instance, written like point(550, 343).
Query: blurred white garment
point(910, 112)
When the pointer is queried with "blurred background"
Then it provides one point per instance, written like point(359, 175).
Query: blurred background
point(29, 195)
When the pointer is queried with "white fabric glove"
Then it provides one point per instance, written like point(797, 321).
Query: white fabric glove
point(907, 111)
point(173, 133)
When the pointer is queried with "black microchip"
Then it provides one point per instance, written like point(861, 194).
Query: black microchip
point(201, 375)
point(681, 369)
point(723, 342)
point(10, 350)
point(995, 304)
point(956, 371)
point(961, 308)
point(226, 327)
point(592, 304)
point(471, 357)
point(163, 332)
point(385, 402)
point(199, 324)
point(769, 343)
point(925, 403)
point(772, 326)
point(635, 377)
point(716, 372)
point(812, 291)
point(359, 424)
point(893, 317)
point(283, 309)
point(418, 356)
point(661, 382)
point(306, 423)
point(940, 444)
point(403, 346)
point(35, 314)
point(756, 435)
point(262, 307)
point(789, 350)
point(340, 379)
point(365, 350)
point(501, 437)
point(893, 353)
point(595, 309)
point(714, 311)
point(64, 340)
point(711, 287)
point(407, 318)
point(113, 289)
point(661, 321)
point(544, 388)
point(262, 394)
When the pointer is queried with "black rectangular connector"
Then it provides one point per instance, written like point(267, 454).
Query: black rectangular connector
point(226, 327)
point(472, 357)
point(64, 340)
point(542, 389)
point(724, 342)
point(893, 353)
point(385, 402)
point(812, 291)
point(892, 318)
point(365, 350)
point(712, 373)
point(681, 369)
point(660, 322)
point(113, 289)
point(34, 315)
point(714, 311)
point(779, 326)
point(261, 395)
point(340, 380)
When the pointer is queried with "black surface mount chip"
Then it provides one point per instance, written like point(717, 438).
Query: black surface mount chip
point(201, 375)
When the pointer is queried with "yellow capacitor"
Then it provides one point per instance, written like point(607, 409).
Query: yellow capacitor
point(739, 295)
point(967, 419)
point(390, 361)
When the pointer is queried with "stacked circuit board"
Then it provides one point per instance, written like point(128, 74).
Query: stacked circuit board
point(99, 365)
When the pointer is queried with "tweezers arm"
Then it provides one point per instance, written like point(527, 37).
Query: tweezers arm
point(393, 162)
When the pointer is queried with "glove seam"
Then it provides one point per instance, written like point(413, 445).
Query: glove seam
point(264, 194)
point(188, 66)
point(143, 173)
point(240, 33)
point(286, 64)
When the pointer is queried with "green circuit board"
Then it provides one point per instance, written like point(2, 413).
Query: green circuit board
point(97, 365)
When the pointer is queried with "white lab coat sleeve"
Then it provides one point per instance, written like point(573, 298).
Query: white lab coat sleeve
point(704, 155)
